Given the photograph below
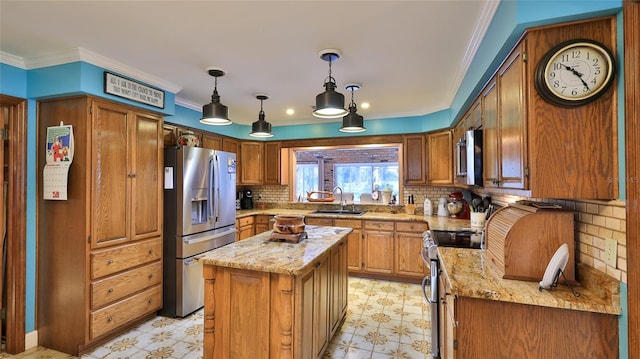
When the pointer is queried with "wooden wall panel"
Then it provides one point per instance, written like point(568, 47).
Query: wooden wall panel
point(631, 19)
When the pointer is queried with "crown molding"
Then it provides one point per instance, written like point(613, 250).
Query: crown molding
point(190, 105)
point(12, 60)
point(488, 10)
point(84, 55)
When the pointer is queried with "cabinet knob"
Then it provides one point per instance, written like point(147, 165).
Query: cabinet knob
point(110, 261)
point(132, 175)
point(150, 250)
point(150, 275)
point(150, 301)
point(317, 265)
point(110, 290)
point(110, 319)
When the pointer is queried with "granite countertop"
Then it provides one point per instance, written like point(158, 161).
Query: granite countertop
point(260, 254)
point(435, 222)
point(472, 275)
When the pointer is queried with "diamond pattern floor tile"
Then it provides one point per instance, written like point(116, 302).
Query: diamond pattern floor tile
point(385, 320)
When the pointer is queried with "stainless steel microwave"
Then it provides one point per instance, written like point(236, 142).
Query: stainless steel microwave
point(469, 157)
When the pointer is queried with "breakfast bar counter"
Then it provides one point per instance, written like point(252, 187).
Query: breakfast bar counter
point(273, 299)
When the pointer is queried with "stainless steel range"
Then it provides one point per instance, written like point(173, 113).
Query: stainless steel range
point(463, 238)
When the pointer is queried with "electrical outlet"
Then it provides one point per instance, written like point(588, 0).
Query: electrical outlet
point(611, 252)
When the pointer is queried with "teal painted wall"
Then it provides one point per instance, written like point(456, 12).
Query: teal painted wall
point(13, 81)
point(511, 18)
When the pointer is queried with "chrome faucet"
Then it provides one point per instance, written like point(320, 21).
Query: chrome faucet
point(341, 201)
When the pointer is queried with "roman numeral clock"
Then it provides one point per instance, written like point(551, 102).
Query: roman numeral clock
point(575, 72)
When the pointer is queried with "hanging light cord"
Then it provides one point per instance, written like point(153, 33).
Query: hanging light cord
point(331, 79)
point(261, 114)
point(215, 97)
point(352, 104)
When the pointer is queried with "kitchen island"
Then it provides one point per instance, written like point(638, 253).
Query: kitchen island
point(486, 316)
point(271, 299)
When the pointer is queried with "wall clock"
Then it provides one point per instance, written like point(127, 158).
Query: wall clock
point(575, 72)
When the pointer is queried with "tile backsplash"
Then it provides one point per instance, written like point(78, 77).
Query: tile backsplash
point(595, 221)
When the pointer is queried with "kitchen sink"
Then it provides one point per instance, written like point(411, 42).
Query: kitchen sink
point(338, 211)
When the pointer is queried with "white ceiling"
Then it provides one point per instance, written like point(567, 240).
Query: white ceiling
point(409, 56)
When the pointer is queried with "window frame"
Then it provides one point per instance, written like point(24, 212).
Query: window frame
point(397, 146)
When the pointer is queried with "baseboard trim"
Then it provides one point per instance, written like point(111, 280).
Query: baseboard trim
point(31, 340)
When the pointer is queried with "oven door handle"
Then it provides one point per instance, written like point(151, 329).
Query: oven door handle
point(426, 281)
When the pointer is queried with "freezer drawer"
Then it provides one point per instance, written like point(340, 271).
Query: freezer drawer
point(189, 287)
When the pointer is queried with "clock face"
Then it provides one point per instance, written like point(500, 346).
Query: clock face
point(575, 73)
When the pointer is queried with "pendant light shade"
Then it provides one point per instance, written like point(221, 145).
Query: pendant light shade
point(215, 113)
point(330, 104)
point(261, 128)
point(352, 122)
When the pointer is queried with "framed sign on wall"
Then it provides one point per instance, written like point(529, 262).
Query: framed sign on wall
point(132, 90)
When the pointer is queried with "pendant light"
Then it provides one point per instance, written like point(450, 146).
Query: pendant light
point(352, 122)
point(261, 128)
point(215, 113)
point(330, 104)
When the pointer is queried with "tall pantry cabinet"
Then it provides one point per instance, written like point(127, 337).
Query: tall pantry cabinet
point(100, 251)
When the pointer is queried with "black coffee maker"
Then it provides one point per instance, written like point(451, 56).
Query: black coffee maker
point(246, 199)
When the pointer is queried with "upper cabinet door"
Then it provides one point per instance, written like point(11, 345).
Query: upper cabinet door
point(512, 117)
point(147, 174)
point(251, 165)
point(126, 193)
point(110, 171)
point(272, 163)
point(490, 154)
point(440, 163)
point(414, 155)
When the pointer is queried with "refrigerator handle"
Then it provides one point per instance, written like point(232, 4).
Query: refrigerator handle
point(211, 185)
point(217, 176)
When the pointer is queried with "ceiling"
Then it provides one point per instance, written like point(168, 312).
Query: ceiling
point(409, 56)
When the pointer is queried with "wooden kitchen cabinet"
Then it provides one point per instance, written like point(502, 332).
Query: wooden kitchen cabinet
point(211, 141)
point(262, 223)
point(354, 242)
point(272, 163)
point(408, 247)
point(339, 282)
point(378, 246)
point(415, 159)
point(491, 135)
point(447, 319)
point(110, 229)
point(547, 150)
point(440, 158)
point(251, 163)
point(504, 147)
point(245, 227)
point(469, 328)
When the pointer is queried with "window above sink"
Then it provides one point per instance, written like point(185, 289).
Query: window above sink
point(358, 170)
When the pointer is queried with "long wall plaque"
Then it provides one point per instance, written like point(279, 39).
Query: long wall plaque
point(132, 90)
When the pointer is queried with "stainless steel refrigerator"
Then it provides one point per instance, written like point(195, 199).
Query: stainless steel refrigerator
point(199, 216)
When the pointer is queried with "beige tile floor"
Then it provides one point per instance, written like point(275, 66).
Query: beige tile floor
point(384, 320)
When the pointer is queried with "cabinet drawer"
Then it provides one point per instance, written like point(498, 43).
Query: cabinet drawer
point(319, 221)
point(114, 288)
point(114, 316)
point(262, 219)
point(350, 223)
point(378, 225)
point(116, 259)
point(411, 227)
point(245, 221)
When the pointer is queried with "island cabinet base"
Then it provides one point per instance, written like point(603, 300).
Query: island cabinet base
point(494, 329)
point(254, 314)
